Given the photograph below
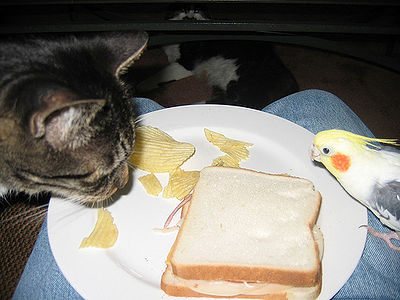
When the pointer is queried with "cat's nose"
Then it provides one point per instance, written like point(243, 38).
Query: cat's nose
point(126, 176)
point(122, 180)
point(119, 181)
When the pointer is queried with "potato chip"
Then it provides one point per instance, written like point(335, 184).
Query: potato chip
point(225, 161)
point(105, 232)
point(222, 141)
point(151, 184)
point(234, 148)
point(180, 183)
point(157, 152)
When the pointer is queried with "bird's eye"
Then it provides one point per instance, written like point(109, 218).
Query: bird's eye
point(326, 150)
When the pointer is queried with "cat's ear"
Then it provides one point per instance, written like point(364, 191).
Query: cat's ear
point(127, 48)
point(62, 116)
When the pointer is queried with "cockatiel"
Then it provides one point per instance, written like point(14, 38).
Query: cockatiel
point(367, 171)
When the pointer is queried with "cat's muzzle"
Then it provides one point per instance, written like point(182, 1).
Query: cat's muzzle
point(120, 180)
point(123, 179)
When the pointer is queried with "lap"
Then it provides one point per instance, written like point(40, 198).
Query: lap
point(376, 275)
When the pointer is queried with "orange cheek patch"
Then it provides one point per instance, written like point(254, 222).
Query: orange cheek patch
point(341, 162)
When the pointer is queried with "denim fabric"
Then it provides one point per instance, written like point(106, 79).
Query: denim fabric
point(377, 275)
point(143, 105)
point(42, 279)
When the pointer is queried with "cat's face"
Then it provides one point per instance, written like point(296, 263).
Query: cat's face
point(66, 119)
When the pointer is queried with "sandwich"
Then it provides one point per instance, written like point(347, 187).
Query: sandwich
point(247, 234)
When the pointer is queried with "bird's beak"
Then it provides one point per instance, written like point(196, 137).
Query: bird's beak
point(314, 153)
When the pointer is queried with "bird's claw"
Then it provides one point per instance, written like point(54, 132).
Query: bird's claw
point(387, 237)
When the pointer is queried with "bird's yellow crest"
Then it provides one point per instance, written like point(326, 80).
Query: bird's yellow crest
point(335, 134)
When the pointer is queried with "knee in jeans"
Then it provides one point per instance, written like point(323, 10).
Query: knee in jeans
point(321, 97)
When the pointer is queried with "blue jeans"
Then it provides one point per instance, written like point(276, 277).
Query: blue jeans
point(377, 275)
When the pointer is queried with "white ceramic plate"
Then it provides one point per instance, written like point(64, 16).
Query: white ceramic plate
point(132, 269)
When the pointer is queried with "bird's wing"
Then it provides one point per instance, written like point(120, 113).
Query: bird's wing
point(385, 201)
point(391, 154)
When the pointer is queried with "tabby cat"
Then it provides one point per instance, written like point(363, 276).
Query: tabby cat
point(66, 118)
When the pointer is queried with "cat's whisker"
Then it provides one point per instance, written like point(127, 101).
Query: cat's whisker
point(6, 201)
point(139, 119)
point(76, 199)
point(36, 219)
point(103, 203)
point(30, 213)
point(62, 217)
point(130, 165)
point(94, 204)
point(108, 201)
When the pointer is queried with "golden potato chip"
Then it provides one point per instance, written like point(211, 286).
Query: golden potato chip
point(220, 140)
point(234, 148)
point(157, 152)
point(180, 183)
point(237, 153)
point(151, 184)
point(225, 161)
point(105, 232)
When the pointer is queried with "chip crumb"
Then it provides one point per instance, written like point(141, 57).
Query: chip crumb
point(151, 184)
point(105, 232)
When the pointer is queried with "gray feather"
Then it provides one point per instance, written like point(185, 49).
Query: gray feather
point(392, 149)
point(385, 200)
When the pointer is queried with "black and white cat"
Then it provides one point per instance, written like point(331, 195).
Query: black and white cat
point(245, 73)
point(240, 72)
point(66, 119)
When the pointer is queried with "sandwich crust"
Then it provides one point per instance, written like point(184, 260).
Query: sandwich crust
point(177, 287)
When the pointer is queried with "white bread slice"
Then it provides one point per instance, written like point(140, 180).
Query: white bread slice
point(243, 225)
